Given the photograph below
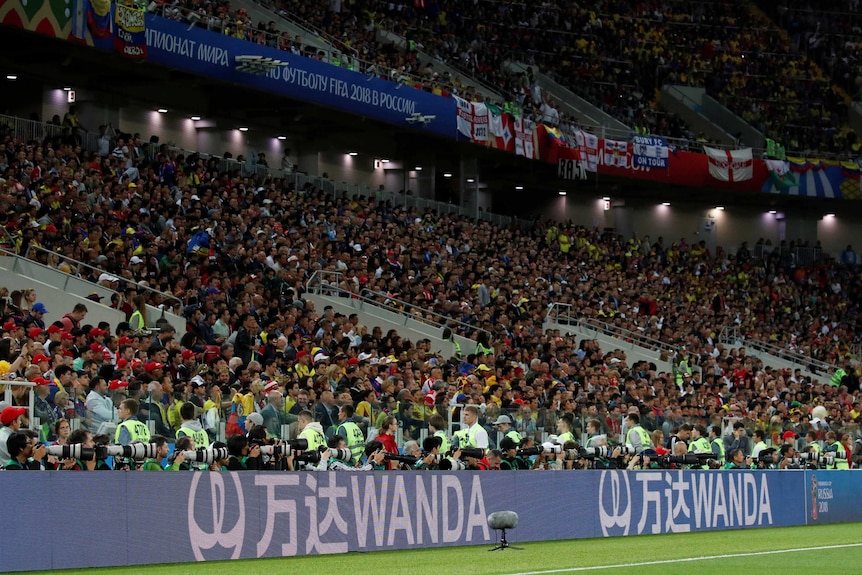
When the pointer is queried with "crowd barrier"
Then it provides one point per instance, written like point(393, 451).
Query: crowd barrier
point(146, 518)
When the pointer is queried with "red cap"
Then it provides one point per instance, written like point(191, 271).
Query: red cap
point(51, 228)
point(117, 384)
point(152, 366)
point(136, 362)
point(125, 340)
point(34, 332)
point(68, 335)
point(121, 363)
point(271, 386)
point(10, 326)
point(187, 353)
point(96, 332)
point(95, 347)
point(301, 353)
point(353, 361)
point(10, 414)
point(40, 358)
point(55, 329)
point(39, 381)
point(788, 435)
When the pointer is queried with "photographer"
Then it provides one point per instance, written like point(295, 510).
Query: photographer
point(242, 455)
point(183, 444)
point(275, 454)
point(330, 463)
point(84, 439)
point(155, 463)
point(736, 459)
point(431, 456)
point(787, 453)
point(219, 464)
point(25, 452)
point(512, 460)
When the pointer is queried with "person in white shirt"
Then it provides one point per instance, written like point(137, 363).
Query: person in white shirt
point(100, 408)
point(476, 434)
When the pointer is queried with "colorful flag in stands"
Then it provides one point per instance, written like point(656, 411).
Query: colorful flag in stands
point(588, 144)
point(472, 120)
point(553, 146)
point(650, 151)
point(730, 165)
point(617, 154)
point(780, 175)
point(501, 129)
point(130, 33)
point(525, 138)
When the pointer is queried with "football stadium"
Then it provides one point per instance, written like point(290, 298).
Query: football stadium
point(337, 268)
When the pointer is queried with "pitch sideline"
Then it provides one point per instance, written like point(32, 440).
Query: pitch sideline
point(687, 559)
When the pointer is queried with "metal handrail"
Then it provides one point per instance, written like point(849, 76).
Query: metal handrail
point(17, 258)
point(33, 130)
point(732, 335)
point(448, 322)
point(556, 314)
point(165, 296)
point(305, 25)
point(316, 284)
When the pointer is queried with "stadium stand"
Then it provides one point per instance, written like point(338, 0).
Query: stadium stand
point(237, 247)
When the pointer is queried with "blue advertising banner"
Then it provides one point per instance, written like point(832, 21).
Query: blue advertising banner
point(215, 516)
point(218, 56)
point(833, 496)
point(650, 151)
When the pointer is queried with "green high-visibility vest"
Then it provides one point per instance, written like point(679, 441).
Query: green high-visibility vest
point(354, 439)
point(835, 380)
point(446, 445)
point(718, 441)
point(839, 451)
point(564, 437)
point(314, 438)
point(646, 442)
point(202, 440)
point(137, 431)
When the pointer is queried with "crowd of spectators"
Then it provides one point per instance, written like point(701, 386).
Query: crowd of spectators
point(236, 252)
point(616, 55)
point(830, 35)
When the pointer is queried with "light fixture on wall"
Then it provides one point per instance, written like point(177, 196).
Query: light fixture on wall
point(418, 168)
point(195, 118)
point(719, 208)
point(67, 88)
point(352, 153)
point(384, 160)
point(519, 187)
point(470, 180)
point(830, 215)
point(773, 212)
point(11, 77)
point(162, 110)
point(606, 198)
point(282, 137)
point(562, 192)
point(447, 174)
point(666, 204)
point(243, 129)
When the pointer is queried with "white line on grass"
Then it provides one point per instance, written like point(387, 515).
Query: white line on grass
point(687, 559)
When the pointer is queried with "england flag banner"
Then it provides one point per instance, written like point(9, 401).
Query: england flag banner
point(472, 120)
point(730, 165)
point(650, 151)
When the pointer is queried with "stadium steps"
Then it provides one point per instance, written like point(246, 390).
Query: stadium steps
point(60, 292)
point(257, 12)
point(328, 289)
point(686, 103)
point(714, 112)
point(587, 115)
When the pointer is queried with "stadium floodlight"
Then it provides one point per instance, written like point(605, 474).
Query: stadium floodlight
point(257, 65)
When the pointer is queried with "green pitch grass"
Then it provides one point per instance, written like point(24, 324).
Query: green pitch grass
point(680, 554)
